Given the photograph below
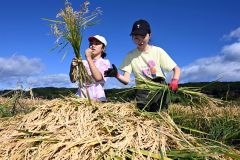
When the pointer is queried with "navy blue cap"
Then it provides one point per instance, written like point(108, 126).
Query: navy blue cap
point(141, 27)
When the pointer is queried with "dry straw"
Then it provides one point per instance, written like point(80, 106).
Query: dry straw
point(73, 129)
point(68, 29)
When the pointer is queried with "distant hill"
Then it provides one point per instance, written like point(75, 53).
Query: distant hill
point(223, 90)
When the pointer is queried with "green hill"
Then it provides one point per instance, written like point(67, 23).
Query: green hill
point(223, 90)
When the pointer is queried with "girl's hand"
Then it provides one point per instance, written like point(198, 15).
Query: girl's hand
point(75, 62)
point(88, 53)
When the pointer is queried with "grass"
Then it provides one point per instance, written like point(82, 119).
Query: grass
point(216, 123)
point(4, 111)
point(16, 102)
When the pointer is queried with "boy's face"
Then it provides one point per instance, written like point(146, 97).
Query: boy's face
point(141, 41)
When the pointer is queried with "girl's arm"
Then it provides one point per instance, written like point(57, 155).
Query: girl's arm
point(96, 74)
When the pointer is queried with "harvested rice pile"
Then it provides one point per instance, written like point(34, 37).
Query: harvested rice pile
point(72, 129)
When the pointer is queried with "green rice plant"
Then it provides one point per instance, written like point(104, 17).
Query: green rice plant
point(147, 153)
point(189, 95)
point(9, 108)
point(15, 102)
point(68, 29)
point(4, 111)
point(199, 148)
point(216, 123)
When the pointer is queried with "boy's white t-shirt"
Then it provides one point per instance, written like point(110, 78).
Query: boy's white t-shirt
point(152, 63)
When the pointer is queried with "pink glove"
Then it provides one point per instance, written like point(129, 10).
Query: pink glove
point(174, 85)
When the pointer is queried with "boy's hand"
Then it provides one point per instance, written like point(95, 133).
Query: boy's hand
point(111, 72)
point(174, 85)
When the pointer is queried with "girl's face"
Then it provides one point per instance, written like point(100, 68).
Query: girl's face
point(141, 41)
point(97, 47)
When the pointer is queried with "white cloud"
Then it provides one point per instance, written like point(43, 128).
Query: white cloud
point(232, 52)
point(114, 83)
point(62, 80)
point(233, 34)
point(225, 66)
point(55, 80)
point(19, 69)
point(16, 69)
point(18, 66)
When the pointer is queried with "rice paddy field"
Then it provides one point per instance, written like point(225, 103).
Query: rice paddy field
point(71, 128)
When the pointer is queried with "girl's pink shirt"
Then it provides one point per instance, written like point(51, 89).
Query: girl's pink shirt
point(96, 89)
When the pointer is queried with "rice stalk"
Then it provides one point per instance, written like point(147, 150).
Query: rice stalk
point(68, 29)
point(12, 105)
point(190, 95)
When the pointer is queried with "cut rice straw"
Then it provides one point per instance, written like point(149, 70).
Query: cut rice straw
point(73, 129)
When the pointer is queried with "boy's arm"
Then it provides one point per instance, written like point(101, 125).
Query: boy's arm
point(125, 79)
point(176, 75)
point(176, 72)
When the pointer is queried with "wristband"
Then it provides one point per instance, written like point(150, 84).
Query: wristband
point(175, 80)
point(118, 75)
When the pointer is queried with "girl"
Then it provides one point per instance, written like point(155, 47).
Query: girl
point(95, 65)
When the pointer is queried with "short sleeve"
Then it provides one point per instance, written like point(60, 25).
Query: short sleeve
point(126, 64)
point(103, 66)
point(166, 61)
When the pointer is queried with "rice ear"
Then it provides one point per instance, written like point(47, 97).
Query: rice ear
point(68, 28)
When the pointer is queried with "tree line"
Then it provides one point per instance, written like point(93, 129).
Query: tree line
point(222, 90)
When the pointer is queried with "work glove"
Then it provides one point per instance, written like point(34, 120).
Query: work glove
point(174, 85)
point(111, 72)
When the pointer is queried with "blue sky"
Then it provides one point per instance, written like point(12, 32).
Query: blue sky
point(202, 36)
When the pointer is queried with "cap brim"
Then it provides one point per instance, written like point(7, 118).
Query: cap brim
point(92, 38)
point(139, 32)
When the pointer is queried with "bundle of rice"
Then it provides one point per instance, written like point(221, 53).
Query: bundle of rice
point(190, 95)
point(68, 30)
point(73, 129)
